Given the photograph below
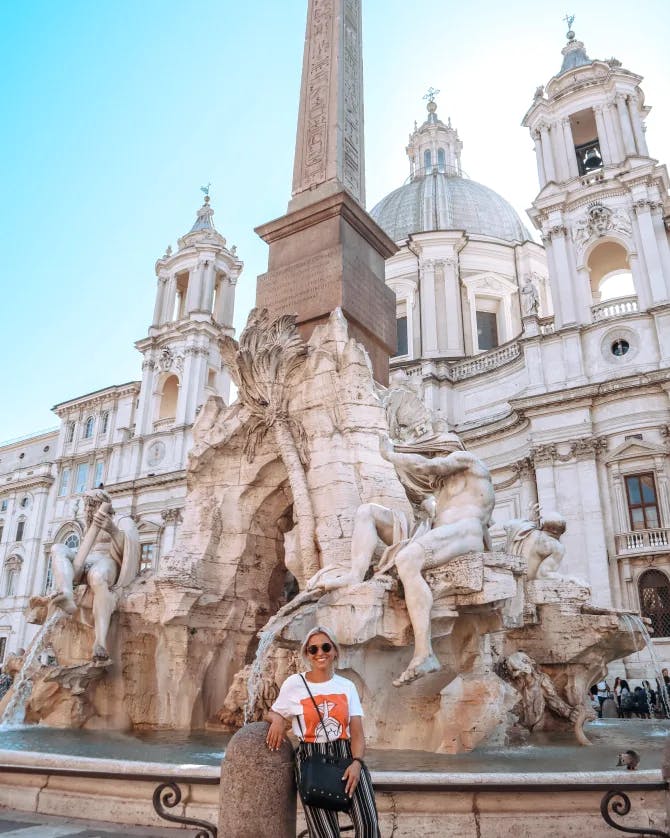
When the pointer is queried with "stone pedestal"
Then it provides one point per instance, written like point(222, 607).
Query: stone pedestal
point(258, 797)
point(326, 255)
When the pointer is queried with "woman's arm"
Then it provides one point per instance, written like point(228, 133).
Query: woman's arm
point(353, 773)
point(277, 731)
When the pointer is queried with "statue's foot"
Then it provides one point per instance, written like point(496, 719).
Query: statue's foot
point(331, 578)
point(100, 653)
point(65, 601)
point(417, 668)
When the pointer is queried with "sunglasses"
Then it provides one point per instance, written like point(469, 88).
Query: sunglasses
point(314, 649)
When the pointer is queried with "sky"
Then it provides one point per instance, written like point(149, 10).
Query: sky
point(114, 114)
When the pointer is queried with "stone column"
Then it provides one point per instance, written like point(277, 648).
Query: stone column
point(650, 251)
point(547, 152)
point(603, 139)
point(638, 127)
point(561, 149)
point(543, 461)
point(194, 290)
point(160, 300)
point(167, 314)
point(569, 304)
point(613, 132)
point(626, 127)
point(258, 796)
point(542, 177)
point(454, 308)
point(573, 169)
point(207, 299)
point(144, 410)
point(593, 522)
point(428, 312)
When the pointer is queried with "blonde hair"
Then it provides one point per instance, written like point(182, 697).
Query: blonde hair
point(330, 634)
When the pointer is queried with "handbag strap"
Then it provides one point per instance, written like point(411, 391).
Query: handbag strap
point(316, 707)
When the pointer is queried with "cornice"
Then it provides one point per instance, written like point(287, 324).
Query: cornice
point(97, 397)
point(169, 478)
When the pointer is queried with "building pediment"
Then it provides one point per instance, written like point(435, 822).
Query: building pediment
point(635, 449)
point(493, 283)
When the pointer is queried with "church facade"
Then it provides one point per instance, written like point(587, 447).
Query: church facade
point(551, 360)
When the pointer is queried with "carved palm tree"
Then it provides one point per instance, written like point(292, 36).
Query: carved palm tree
point(262, 366)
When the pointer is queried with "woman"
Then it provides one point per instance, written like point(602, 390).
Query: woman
point(340, 719)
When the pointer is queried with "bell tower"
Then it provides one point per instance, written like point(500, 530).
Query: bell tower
point(182, 364)
point(603, 198)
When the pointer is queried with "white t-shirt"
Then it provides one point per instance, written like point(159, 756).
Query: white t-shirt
point(337, 700)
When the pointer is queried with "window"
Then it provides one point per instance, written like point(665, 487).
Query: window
point(64, 484)
point(69, 432)
point(2, 529)
point(441, 161)
point(3, 505)
point(168, 405)
point(25, 500)
point(99, 468)
point(3, 648)
point(104, 422)
point(401, 332)
point(487, 330)
point(11, 578)
point(19, 530)
point(427, 160)
point(48, 578)
point(654, 590)
point(82, 478)
point(89, 427)
point(642, 502)
point(147, 557)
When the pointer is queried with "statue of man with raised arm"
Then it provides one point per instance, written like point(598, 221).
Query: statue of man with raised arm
point(107, 560)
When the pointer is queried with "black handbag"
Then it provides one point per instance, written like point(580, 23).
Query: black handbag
point(321, 782)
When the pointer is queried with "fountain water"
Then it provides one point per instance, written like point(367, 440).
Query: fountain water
point(635, 623)
point(15, 710)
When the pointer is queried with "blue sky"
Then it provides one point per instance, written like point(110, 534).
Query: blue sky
point(114, 114)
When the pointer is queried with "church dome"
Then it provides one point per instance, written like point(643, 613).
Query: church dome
point(438, 196)
point(445, 201)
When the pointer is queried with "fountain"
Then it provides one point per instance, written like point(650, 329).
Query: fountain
point(321, 476)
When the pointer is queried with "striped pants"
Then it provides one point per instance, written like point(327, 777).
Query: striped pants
point(322, 823)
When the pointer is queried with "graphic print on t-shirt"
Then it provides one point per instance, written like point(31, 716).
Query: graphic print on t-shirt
point(334, 710)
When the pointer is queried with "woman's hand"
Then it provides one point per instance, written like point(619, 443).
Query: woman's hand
point(276, 732)
point(351, 777)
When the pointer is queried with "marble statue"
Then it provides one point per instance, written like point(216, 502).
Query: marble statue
point(539, 543)
point(530, 300)
point(538, 694)
point(108, 559)
point(464, 500)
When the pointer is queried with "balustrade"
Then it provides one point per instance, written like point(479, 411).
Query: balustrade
point(619, 307)
point(642, 541)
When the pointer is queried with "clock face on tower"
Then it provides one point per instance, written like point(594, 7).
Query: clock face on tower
point(156, 453)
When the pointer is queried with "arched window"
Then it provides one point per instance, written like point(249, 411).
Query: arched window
point(654, 588)
point(441, 161)
point(427, 160)
point(72, 540)
point(609, 270)
point(89, 427)
point(104, 422)
point(168, 405)
point(69, 432)
point(19, 530)
point(11, 580)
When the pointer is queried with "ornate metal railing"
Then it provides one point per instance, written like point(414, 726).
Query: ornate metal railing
point(642, 541)
point(618, 803)
point(168, 795)
point(619, 307)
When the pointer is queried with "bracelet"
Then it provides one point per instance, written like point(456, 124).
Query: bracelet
point(358, 759)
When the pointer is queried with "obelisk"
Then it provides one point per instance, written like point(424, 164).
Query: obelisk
point(327, 251)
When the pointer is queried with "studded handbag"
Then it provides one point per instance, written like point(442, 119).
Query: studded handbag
point(321, 782)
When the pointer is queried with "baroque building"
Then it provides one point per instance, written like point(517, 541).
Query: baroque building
point(552, 362)
point(133, 438)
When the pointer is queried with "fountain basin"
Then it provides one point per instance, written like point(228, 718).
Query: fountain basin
point(489, 793)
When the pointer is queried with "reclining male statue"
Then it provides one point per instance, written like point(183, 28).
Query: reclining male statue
point(433, 469)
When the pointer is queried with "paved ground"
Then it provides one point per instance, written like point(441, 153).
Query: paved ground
point(22, 825)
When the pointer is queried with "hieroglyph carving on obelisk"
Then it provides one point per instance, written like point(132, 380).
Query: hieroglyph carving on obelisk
point(329, 152)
